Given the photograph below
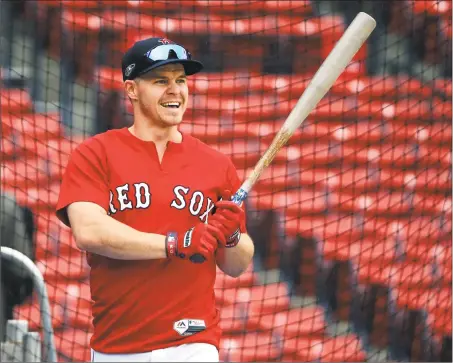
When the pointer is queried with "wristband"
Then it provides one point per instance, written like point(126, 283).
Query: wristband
point(171, 244)
point(234, 239)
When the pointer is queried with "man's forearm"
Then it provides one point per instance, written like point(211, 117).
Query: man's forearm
point(105, 236)
point(234, 261)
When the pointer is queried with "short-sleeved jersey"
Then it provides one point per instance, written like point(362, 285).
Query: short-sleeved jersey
point(136, 303)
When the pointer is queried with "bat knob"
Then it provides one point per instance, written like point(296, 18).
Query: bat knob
point(197, 258)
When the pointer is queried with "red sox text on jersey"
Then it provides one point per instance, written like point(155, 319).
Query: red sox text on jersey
point(138, 196)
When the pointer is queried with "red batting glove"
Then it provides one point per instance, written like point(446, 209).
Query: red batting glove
point(197, 244)
point(228, 219)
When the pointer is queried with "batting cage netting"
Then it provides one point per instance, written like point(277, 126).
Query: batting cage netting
point(352, 222)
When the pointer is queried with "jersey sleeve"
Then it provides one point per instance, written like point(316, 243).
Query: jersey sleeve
point(85, 179)
point(233, 183)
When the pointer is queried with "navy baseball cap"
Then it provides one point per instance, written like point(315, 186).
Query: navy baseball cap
point(148, 54)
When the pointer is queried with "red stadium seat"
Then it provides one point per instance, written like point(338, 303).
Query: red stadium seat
point(384, 273)
point(63, 269)
point(38, 198)
point(423, 251)
point(444, 84)
point(250, 347)
point(52, 242)
point(293, 203)
point(33, 124)
point(74, 344)
point(434, 180)
point(70, 4)
point(72, 295)
point(432, 7)
point(382, 155)
point(24, 173)
point(79, 317)
point(383, 88)
point(296, 322)
point(382, 202)
point(322, 227)
point(428, 204)
point(429, 156)
point(438, 133)
point(344, 249)
point(276, 294)
point(31, 313)
point(144, 5)
point(416, 298)
point(344, 348)
point(15, 101)
point(247, 316)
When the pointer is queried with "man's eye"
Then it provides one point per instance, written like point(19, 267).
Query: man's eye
point(182, 81)
point(161, 81)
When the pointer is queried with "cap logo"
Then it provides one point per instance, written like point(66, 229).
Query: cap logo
point(129, 69)
point(165, 41)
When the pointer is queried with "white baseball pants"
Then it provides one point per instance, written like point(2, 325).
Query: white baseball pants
point(193, 352)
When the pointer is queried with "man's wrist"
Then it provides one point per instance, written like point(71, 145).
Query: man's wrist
point(171, 244)
point(233, 240)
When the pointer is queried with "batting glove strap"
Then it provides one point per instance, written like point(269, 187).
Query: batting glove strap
point(234, 239)
point(171, 244)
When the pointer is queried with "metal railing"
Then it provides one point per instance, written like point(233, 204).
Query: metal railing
point(49, 351)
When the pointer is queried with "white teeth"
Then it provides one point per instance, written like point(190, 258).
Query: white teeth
point(171, 104)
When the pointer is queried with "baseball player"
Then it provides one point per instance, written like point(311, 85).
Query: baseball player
point(152, 208)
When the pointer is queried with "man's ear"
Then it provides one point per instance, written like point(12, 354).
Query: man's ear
point(131, 89)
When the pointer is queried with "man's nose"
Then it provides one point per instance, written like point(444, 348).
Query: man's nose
point(173, 87)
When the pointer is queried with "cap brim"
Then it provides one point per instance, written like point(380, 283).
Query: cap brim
point(190, 66)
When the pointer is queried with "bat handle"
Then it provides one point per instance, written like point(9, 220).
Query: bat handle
point(240, 196)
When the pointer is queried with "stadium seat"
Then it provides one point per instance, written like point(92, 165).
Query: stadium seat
point(276, 293)
point(429, 179)
point(295, 322)
point(250, 347)
point(34, 124)
point(55, 242)
point(382, 202)
point(435, 134)
point(383, 88)
point(37, 198)
point(430, 204)
point(31, 312)
point(79, 317)
point(293, 203)
point(346, 348)
point(74, 344)
point(432, 7)
point(15, 101)
point(369, 249)
point(430, 156)
point(70, 295)
point(443, 84)
point(384, 273)
point(71, 4)
point(64, 269)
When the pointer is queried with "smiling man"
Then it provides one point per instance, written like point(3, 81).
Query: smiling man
point(152, 208)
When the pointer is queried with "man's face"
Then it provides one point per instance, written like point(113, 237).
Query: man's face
point(162, 94)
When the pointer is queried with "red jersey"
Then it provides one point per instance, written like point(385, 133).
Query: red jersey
point(137, 303)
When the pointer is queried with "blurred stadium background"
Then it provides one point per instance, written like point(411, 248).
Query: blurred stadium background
point(352, 222)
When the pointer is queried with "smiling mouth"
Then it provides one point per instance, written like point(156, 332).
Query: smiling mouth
point(174, 105)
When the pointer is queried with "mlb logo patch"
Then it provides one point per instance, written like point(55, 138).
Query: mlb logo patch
point(187, 327)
